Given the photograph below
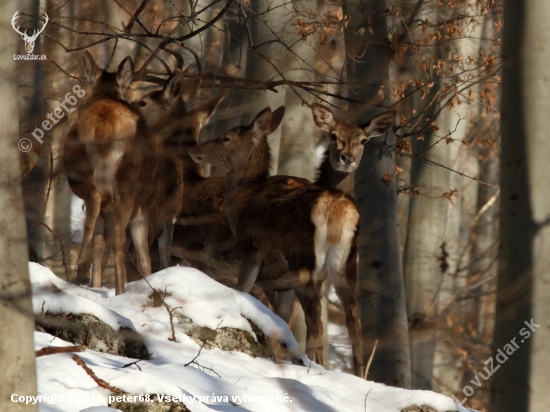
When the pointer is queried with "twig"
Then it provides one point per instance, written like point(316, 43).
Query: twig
point(70, 75)
point(366, 399)
point(51, 350)
point(370, 361)
point(209, 24)
point(135, 15)
point(196, 356)
point(91, 373)
point(62, 247)
point(485, 207)
point(134, 363)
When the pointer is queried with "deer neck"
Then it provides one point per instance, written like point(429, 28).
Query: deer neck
point(244, 179)
point(332, 178)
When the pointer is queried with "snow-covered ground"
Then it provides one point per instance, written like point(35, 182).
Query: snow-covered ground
point(219, 380)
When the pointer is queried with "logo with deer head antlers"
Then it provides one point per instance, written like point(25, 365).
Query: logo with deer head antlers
point(29, 40)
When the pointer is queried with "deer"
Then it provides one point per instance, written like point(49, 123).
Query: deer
point(205, 244)
point(171, 129)
point(179, 131)
point(347, 142)
point(102, 163)
point(298, 232)
point(109, 150)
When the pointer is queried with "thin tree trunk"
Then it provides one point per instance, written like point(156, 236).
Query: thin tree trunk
point(260, 62)
point(521, 383)
point(381, 292)
point(425, 239)
point(298, 128)
point(31, 109)
point(18, 372)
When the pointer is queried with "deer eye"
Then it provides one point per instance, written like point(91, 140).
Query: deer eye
point(333, 137)
point(225, 139)
point(143, 103)
point(364, 141)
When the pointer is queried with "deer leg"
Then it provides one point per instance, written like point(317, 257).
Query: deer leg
point(108, 234)
point(310, 300)
point(283, 302)
point(165, 245)
point(346, 289)
point(139, 227)
point(249, 270)
point(93, 207)
point(122, 214)
point(98, 251)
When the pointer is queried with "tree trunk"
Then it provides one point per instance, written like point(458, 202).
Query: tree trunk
point(260, 62)
point(298, 130)
point(381, 292)
point(18, 374)
point(31, 113)
point(521, 383)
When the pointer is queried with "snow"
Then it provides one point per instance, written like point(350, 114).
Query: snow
point(198, 300)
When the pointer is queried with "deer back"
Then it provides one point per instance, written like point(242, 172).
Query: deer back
point(102, 139)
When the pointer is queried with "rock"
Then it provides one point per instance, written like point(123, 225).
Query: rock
point(153, 406)
point(227, 339)
point(422, 408)
point(84, 329)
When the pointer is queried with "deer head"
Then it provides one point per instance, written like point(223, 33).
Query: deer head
point(106, 84)
point(347, 141)
point(234, 148)
point(29, 40)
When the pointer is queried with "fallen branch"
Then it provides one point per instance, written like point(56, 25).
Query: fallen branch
point(134, 363)
point(91, 373)
point(51, 350)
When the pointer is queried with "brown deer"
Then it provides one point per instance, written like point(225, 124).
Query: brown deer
point(290, 233)
point(345, 150)
point(161, 165)
point(178, 130)
point(101, 160)
point(207, 244)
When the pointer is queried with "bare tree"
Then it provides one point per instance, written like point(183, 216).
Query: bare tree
point(17, 374)
point(381, 290)
point(521, 383)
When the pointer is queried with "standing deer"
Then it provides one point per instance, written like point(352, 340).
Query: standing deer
point(178, 130)
point(101, 161)
point(207, 245)
point(296, 231)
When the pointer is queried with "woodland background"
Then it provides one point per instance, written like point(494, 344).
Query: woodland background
point(428, 192)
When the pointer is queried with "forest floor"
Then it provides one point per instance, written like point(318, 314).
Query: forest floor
point(210, 346)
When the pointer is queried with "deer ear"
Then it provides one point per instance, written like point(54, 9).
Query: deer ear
point(202, 116)
point(172, 88)
point(261, 123)
point(125, 73)
point(379, 124)
point(93, 72)
point(323, 116)
point(276, 119)
point(190, 88)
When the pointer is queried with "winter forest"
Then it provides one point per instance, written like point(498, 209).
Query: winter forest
point(325, 203)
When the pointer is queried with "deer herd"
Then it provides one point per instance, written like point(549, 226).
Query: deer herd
point(137, 167)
